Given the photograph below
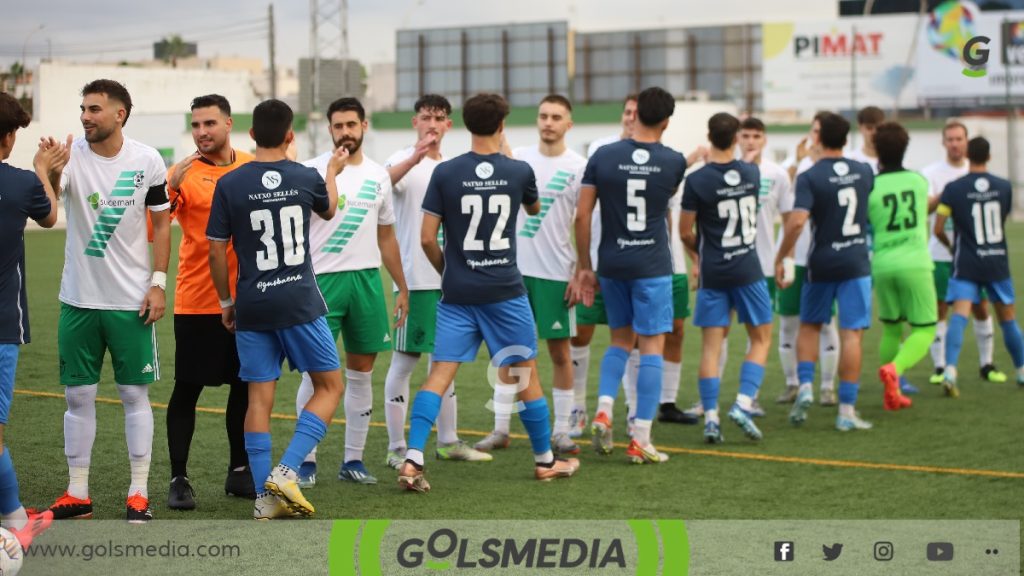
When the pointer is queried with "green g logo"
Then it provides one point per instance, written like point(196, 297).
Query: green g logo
point(94, 200)
point(975, 55)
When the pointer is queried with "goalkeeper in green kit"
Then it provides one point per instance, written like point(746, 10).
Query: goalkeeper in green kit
point(901, 266)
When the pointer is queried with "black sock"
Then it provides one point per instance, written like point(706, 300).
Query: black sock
point(181, 423)
point(234, 422)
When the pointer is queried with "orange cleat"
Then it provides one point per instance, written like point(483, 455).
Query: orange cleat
point(38, 523)
point(67, 507)
point(893, 399)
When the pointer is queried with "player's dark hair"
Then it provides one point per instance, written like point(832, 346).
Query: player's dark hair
point(752, 123)
point(558, 99)
point(978, 150)
point(346, 104)
point(833, 130)
point(722, 129)
point(483, 114)
point(891, 140)
point(12, 115)
point(631, 97)
point(212, 100)
point(271, 121)
point(870, 116)
point(953, 125)
point(114, 91)
point(654, 105)
point(433, 102)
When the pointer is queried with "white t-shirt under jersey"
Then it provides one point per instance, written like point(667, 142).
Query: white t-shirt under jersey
point(601, 142)
point(348, 241)
point(860, 156)
point(675, 205)
point(595, 221)
point(106, 256)
point(939, 174)
point(543, 242)
point(774, 185)
point(408, 199)
point(786, 201)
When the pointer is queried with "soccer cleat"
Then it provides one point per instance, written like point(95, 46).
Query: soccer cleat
point(239, 483)
point(462, 452)
point(355, 471)
point(828, 397)
point(892, 398)
point(558, 468)
point(845, 424)
point(181, 496)
point(696, 411)
point(38, 522)
point(713, 433)
point(639, 454)
point(938, 377)
point(493, 441)
point(668, 412)
point(992, 374)
point(561, 444)
point(269, 507)
point(395, 458)
point(798, 415)
point(601, 434)
point(788, 395)
point(756, 410)
point(283, 483)
point(742, 419)
point(411, 478)
point(67, 507)
point(950, 389)
point(307, 475)
point(577, 423)
point(906, 387)
point(137, 509)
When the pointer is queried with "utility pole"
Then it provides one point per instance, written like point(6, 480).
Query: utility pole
point(273, 65)
point(328, 40)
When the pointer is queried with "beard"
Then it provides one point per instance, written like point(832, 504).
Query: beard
point(98, 134)
point(350, 144)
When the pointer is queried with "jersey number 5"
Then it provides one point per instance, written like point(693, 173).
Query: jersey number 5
point(636, 221)
point(473, 204)
point(292, 237)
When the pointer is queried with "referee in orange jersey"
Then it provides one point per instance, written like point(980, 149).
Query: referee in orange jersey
point(205, 352)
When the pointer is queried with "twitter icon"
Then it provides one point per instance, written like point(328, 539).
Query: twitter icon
point(831, 552)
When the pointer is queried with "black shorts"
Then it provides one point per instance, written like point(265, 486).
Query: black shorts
point(205, 352)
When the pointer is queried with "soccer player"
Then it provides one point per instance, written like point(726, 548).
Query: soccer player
point(833, 195)
point(721, 197)
point(978, 204)
point(410, 171)
point(347, 254)
point(476, 197)
point(939, 174)
point(205, 353)
point(263, 208)
point(868, 120)
point(110, 294)
point(901, 266)
point(633, 180)
point(25, 195)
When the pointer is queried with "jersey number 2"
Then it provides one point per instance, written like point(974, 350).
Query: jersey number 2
point(473, 204)
point(848, 199)
point(292, 237)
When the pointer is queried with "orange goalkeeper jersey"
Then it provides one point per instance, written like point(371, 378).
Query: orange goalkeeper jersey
point(194, 293)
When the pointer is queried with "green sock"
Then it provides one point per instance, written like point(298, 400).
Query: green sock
point(914, 348)
point(892, 333)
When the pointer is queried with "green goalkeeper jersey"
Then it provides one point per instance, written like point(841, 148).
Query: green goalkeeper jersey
point(898, 212)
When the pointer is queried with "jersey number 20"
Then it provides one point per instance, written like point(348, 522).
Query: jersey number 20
point(292, 237)
point(742, 214)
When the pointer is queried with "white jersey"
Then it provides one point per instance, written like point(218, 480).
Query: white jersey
point(544, 242)
point(106, 256)
point(939, 174)
point(860, 156)
point(408, 198)
point(348, 241)
point(774, 185)
point(601, 142)
point(786, 201)
point(595, 221)
point(675, 206)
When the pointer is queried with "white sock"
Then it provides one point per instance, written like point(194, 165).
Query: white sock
point(447, 417)
point(670, 375)
point(828, 350)
point(562, 401)
point(416, 456)
point(789, 327)
point(606, 404)
point(396, 396)
point(79, 434)
point(642, 431)
point(504, 405)
point(629, 380)
point(580, 370)
point(543, 458)
point(938, 348)
point(847, 410)
point(723, 358)
point(1020, 374)
point(984, 335)
point(358, 408)
point(138, 431)
point(744, 402)
point(16, 519)
point(302, 396)
point(807, 387)
point(711, 416)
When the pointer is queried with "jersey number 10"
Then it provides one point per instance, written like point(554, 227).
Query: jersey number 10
point(292, 237)
point(988, 222)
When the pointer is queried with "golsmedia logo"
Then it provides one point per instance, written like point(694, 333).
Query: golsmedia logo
point(976, 55)
point(444, 549)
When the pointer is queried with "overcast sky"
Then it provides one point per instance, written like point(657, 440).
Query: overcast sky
point(110, 30)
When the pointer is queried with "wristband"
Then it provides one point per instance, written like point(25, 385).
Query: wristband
point(159, 279)
point(226, 303)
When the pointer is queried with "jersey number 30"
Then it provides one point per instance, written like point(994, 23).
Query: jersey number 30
point(292, 237)
point(473, 204)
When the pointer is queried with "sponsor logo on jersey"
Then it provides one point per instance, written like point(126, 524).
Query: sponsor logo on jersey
point(363, 201)
point(982, 185)
point(111, 211)
point(139, 178)
point(841, 168)
point(484, 170)
point(271, 179)
point(641, 156)
point(732, 178)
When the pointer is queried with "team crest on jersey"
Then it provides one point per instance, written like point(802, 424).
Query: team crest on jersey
point(732, 178)
point(484, 170)
point(271, 179)
point(641, 156)
point(139, 178)
point(841, 168)
point(982, 185)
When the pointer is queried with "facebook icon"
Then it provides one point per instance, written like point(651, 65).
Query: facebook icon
point(784, 552)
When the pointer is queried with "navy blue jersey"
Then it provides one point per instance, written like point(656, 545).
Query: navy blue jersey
point(634, 181)
point(264, 209)
point(835, 192)
point(978, 205)
point(477, 198)
point(724, 198)
point(21, 197)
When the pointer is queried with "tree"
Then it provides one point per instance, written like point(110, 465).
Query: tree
point(174, 48)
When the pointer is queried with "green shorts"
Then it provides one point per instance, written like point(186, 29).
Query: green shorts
point(906, 296)
point(680, 296)
point(417, 336)
point(356, 310)
point(554, 319)
point(770, 281)
point(85, 334)
point(942, 273)
point(592, 315)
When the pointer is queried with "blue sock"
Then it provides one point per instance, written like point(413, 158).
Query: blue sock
point(309, 431)
point(708, 388)
point(955, 338)
point(613, 368)
point(848, 392)
point(536, 420)
point(751, 376)
point(805, 372)
point(648, 386)
point(9, 501)
point(257, 446)
point(1014, 341)
point(424, 411)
